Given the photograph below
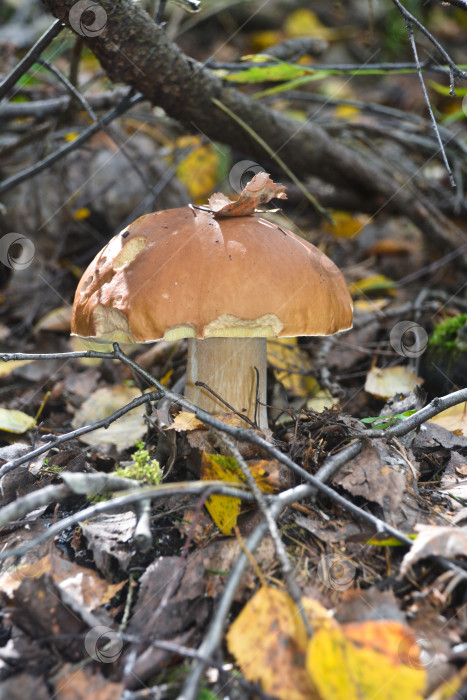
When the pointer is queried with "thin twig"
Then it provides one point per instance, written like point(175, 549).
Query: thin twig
point(87, 107)
point(427, 100)
point(293, 588)
point(124, 105)
point(30, 57)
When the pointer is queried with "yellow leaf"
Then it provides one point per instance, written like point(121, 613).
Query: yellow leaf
point(7, 368)
point(347, 225)
point(370, 304)
point(347, 112)
point(269, 639)
point(304, 22)
point(224, 510)
point(71, 136)
point(385, 383)
point(367, 660)
point(81, 214)
point(290, 365)
point(374, 283)
point(12, 421)
point(199, 170)
point(453, 419)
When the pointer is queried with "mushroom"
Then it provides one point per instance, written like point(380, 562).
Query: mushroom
point(224, 281)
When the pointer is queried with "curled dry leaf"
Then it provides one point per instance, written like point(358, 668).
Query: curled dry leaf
point(260, 190)
point(434, 540)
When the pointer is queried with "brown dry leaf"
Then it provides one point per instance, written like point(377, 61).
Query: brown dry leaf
point(386, 383)
point(84, 683)
point(260, 190)
point(365, 660)
point(377, 475)
point(84, 585)
point(186, 421)
point(453, 419)
point(392, 246)
point(269, 640)
point(434, 540)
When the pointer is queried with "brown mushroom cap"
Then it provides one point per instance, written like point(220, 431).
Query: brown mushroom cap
point(183, 273)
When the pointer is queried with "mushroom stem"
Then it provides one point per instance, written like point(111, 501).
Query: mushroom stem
point(227, 366)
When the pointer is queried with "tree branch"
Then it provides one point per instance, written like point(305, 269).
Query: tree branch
point(133, 49)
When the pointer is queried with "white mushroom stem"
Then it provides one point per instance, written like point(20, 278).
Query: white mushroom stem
point(227, 366)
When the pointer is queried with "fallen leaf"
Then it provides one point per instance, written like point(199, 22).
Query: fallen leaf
point(186, 421)
point(435, 540)
point(7, 368)
point(224, 510)
point(365, 660)
point(122, 433)
point(291, 365)
point(82, 683)
point(453, 419)
point(12, 421)
point(374, 283)
point(384, 383)
point(346, 225)
point(269, 641)
point(84, 585)
point(56, 320)
point(260, 190)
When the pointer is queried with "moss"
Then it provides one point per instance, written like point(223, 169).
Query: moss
point(143, 468)
point(444, 336)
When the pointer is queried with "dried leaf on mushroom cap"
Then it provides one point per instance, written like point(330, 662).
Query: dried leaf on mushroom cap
point(260, 190)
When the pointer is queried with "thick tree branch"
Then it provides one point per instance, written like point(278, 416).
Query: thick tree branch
point(134, 50)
